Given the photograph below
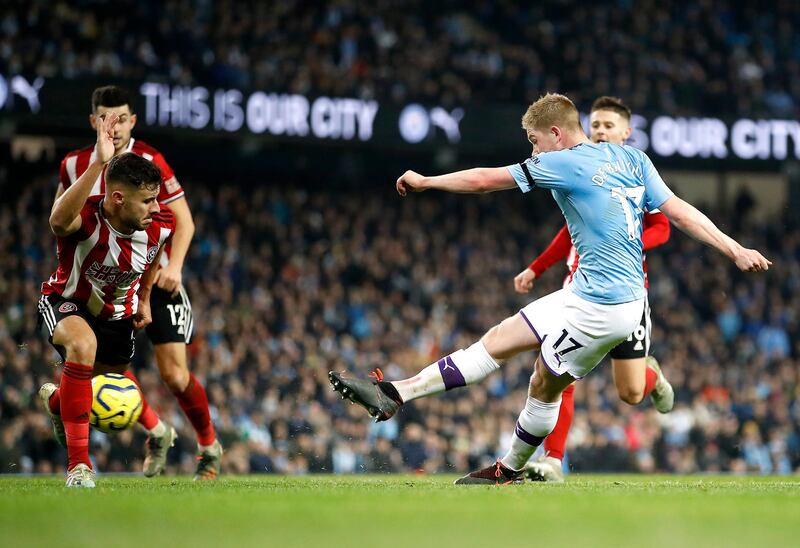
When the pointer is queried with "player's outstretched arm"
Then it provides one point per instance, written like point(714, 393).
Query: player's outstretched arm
point(475, 180)
point(690, 220)
point(65, 217)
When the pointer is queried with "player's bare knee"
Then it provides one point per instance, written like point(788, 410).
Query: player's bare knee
point(174, 375)
point(631, 396)
point(81, 347)
point(490, 341)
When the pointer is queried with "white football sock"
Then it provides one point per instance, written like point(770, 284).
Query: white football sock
point(463, 367)
point(535, 422)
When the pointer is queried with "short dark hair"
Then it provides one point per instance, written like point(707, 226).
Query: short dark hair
point(110, 96)
point(614, 104)
point(133, 170)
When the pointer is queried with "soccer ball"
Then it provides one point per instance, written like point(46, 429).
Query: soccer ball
point(116, 403)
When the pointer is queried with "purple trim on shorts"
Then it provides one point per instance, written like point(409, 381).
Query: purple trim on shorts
point(555, 374)
point(527, 437)
point(451, 375)
point(544, 361)
point(527, 321)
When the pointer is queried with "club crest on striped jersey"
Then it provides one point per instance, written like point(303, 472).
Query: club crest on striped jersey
point(151, 253)
point(66, 308)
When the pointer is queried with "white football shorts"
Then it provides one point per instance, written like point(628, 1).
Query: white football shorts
point(576, 334)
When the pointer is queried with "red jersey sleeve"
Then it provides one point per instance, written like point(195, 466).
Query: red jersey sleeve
point(656, 230)
point(171, 189)
point(88, 219)
point(558, 250)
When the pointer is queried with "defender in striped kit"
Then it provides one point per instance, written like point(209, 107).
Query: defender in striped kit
point(172, 326)
point(108, 251)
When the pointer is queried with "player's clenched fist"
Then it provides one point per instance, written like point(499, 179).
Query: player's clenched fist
point(750, 260)
point(523, 282)
point(410, 181)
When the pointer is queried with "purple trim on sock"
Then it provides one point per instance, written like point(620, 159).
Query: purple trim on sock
point(451, 375)
point(527, 321)
point(527, 437)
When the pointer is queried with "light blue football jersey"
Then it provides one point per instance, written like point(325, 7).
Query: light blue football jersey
point(603, 190)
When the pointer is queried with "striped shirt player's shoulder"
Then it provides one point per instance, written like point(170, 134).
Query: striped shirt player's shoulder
point(93, 205)
point(74, 164)
point(78, 151)
point(173, 190)
point(94, 201)
point(145, 150)
point(165, 217)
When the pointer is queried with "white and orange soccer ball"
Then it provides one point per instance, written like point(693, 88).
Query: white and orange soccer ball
point(116, 403)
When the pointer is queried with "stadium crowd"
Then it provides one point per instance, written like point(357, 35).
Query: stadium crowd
point(293, 282)
point(714, 57)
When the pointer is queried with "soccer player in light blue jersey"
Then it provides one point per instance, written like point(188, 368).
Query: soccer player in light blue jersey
point(602, 190)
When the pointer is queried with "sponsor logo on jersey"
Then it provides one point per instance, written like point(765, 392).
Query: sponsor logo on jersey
point(109, 274)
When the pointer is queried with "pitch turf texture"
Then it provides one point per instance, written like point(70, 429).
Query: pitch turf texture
point(401, 511)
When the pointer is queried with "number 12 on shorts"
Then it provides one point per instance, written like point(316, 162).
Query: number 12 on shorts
point(177, 314)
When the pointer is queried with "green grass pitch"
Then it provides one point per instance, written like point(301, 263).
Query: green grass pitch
point(402, 511)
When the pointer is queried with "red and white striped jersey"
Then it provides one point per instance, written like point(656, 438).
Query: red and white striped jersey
point(101, 267)
point(77, 162)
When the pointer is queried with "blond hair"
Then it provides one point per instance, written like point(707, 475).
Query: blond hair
point(552, 109)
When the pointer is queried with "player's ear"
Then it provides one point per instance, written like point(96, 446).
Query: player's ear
point(93, 121)
point(133, 121)
point(627, 133)
point(117, 196)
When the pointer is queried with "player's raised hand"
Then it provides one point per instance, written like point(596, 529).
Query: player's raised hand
point(410, 181)
point(523, 282)
point(105, 136)
point(750, 260)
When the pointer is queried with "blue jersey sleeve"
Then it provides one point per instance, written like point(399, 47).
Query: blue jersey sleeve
point(656, 190)
point(543, 170)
